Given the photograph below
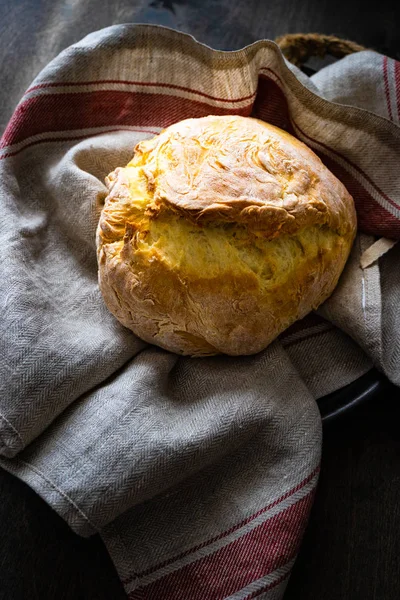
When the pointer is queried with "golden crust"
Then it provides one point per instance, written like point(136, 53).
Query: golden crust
point(220, 233)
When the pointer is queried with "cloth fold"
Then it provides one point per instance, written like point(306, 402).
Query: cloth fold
point(198, 473)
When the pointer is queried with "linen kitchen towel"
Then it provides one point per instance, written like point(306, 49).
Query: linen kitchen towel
point(198, 473)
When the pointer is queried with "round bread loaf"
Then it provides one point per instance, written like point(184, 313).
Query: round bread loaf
point(220, 233)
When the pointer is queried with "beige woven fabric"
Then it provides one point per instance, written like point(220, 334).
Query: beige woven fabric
point(199, 473)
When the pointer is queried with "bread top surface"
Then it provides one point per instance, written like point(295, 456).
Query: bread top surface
point(228, 179)
point(233, 169)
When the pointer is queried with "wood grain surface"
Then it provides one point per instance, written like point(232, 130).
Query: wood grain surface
point(352, 546)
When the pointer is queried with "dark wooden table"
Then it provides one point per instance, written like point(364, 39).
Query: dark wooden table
point(351, 550)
